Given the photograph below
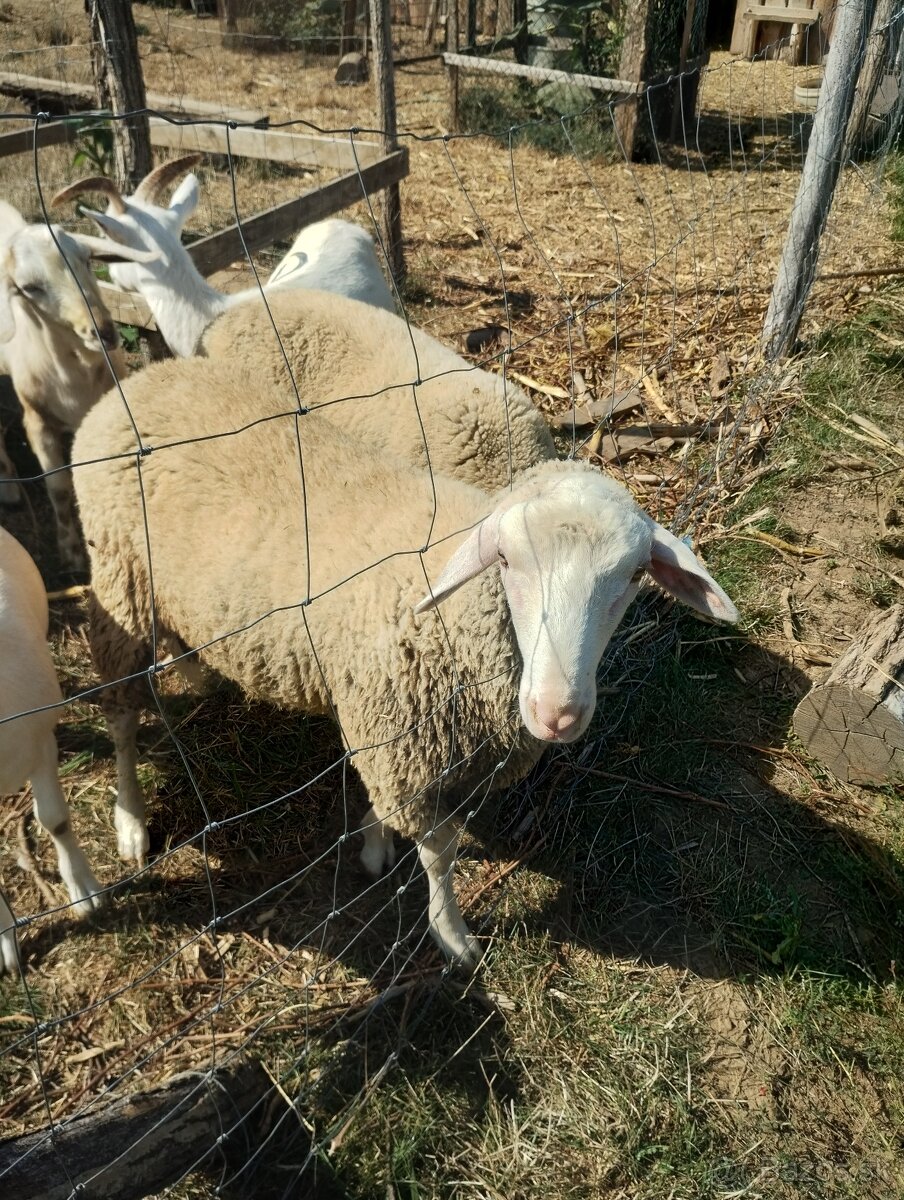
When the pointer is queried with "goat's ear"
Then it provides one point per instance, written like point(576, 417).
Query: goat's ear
point(478, 551)
point(678, 571)
point(104, 250)
point(106, 222)
point(185, 198)
point(10, 219)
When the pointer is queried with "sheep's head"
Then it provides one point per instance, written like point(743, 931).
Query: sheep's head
point(139, 223)
point(46, 271)
point(572, 547)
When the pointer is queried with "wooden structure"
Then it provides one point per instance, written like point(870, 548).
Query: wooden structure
point(120, 87)
point(854, 721)
point(361, 169)
point(761, 22)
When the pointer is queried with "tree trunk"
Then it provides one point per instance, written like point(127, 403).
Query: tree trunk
point(877, 63)
point(633, 65)
point(386, 114)
point(120, 87)
point(854, 721)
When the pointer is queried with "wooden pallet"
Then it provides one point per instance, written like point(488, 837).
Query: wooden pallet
point(752, 15)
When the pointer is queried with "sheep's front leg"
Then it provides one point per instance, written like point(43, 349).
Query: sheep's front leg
point(46, 442)
point(129, 813)
point(437, 851)
point(52, 812)
point(10, 490)
point(378, 854)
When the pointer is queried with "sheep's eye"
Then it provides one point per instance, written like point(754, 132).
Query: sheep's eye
point(503, 561)
point(34, 291)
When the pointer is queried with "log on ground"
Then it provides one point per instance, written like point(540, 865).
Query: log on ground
point(853, 722)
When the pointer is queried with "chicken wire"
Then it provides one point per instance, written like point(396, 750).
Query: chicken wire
point(678, 257)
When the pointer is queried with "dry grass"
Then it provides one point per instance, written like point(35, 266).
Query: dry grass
point(690, 988)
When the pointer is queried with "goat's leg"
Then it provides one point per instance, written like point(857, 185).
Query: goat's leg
point(378, 854)
point(47, 444)
point(437, 850)
point(9, 949)
point(10, 489)
point(52, 812)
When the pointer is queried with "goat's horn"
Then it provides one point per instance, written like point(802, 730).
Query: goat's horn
point(154, 183)
point(97, 183)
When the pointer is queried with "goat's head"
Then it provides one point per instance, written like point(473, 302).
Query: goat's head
point(139, 222)
point(47, 271)
point(573, 546)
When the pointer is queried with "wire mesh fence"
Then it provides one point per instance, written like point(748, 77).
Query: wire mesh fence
point(626, 299)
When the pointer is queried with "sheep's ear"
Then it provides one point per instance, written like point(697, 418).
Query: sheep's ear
point(678, 571)
point(10, 219)
point(477, 552)
point(185, 198)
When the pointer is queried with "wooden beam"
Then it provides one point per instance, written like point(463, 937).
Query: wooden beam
point(82, 94)
point(52, 133)
point(299, 148)
point(126, 308)
point(493, 66)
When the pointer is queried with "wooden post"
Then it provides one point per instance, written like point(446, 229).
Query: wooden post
point(797, 269)
point(452, 48)
point(471, 23)
point(391, 205)
point(876, 64)
point(854, 721)
point(633, 65)
point(120, 87)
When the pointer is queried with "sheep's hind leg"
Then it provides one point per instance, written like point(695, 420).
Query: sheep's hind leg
point(437, 851)
point(52, 811)
point(129, 814)
point(378, 854)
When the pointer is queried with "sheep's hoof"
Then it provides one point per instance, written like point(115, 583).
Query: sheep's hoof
point(9, 954)
point(84, 891)
point(132, 838)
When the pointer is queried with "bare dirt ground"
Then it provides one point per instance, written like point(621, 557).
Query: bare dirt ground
point(693, 993)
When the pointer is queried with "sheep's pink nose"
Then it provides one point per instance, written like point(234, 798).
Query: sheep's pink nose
point(564, 721)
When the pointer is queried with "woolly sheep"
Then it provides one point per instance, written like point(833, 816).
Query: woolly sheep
point(469, 423)
point(56, 337)
point(334, 256)
point(28, 748)
point(309, 598)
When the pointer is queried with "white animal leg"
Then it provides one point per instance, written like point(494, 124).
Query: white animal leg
point(437, 852)
point(128, 816)
point(52, 811)
point(48, 448)
point(10, 490)
point(9, 950)
point(378, 854)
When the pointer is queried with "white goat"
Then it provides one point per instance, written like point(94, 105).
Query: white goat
point(54, 332)
point(28, 749)
point(331, 256)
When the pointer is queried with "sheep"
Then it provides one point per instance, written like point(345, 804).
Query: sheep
point(333, 256)
point(468, 423)
point(317, 596)
point(28, 748)
point(58, 344)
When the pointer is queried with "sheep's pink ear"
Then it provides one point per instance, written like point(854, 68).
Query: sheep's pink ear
point(477, 552)
point(678, 571)
point(185, 198)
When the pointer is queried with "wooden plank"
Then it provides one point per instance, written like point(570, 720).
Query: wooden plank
point(493, 66)
point(52, 133)
point(284, 220)
point(12, 83)
point(126, 308)
point(784, 15)
point(299, 148)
